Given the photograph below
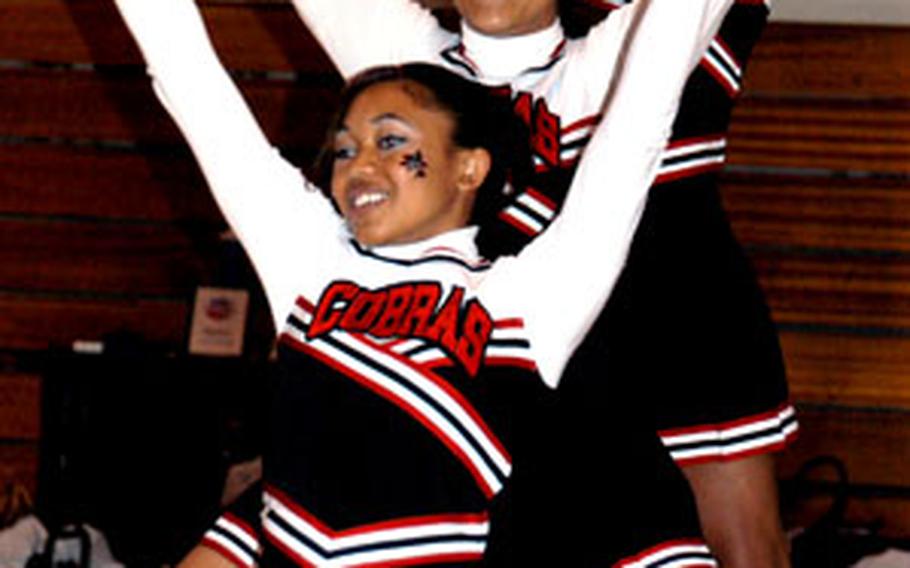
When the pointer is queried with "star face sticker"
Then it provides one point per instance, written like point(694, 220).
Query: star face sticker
point(416, 164)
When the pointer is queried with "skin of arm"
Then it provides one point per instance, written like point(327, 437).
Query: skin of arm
point(738, 508)
point(204, 557)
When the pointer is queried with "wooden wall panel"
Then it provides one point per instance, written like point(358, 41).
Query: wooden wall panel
point(864, 292)
point(81, 105)
point(791, 58)
point(829, 61)
point(848, 369)
point(838, 135)
point(820, 211)
point(106, 258)
point(20, 406)
point(841, 137)
point(35, 321)
point(44, 180)
point(121, 107)
point(248, 35)
point(47, 31)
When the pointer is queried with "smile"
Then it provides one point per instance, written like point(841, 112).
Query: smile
point(368, 198)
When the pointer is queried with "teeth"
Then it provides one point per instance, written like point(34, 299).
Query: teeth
point(368, 199)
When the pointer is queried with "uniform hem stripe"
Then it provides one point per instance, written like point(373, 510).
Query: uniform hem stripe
point(686, 553)
point(226, 552)
point(398, 542)
point(767, 432)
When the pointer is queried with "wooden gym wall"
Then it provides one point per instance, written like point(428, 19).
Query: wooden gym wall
point(105, 223)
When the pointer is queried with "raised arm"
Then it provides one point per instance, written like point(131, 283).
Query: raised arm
point(598, 51)
point(607, 195)
point(358, 34)
point(263, 197)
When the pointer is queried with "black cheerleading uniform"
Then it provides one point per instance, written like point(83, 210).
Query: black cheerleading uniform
point(685, 347)
point(413, 376)
point(692, 346)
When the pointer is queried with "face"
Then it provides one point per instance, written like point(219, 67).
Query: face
point(507, 17)
point(397, 176)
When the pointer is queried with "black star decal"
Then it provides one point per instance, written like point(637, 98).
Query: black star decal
point(415, 163)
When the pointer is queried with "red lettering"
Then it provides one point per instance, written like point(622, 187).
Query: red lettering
point(363, 311)
point(477, 328)
point(331, 307)
point(417, 321)
point(397, 304)
point(522, 107)
point(545, 135)
point(408, 310)
point(444, 326)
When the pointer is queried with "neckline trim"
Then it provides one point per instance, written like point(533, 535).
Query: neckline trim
point(491, 57)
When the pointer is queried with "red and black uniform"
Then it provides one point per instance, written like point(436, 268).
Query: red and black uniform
point(690, 341)
point(410, 412)
point(685, 347)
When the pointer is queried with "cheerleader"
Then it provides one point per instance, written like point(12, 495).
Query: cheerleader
point(412, 371)
point(685, 350)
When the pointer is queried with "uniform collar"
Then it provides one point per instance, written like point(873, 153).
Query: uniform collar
point(458, 244)
point(507, 57)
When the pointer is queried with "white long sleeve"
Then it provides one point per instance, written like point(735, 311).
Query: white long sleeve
point(358, 34)
point(264, 198)
point(570, 270)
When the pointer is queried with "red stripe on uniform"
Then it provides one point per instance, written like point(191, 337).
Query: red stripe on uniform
point(607, 5)
point(628, 561)
point(398, 401)
point(732, 90)
point(403, 522)
point(510, 323)
point(424, 560)
point(511, 362)
point(579, 124)
point(233, 519)
point(305, 305)
point(728, 52)
point(541, 197)
point(218, 548)
point(688, 172)
point(729, 425)
point(695, 140)
point(456, 395)
point(434, 364)
point(742, 454)
point(290, 553)
point(556, 52)
point(517, 224)
point(462, 52)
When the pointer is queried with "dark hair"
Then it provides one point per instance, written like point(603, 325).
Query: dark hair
point(578, 16)
point(482, 118)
